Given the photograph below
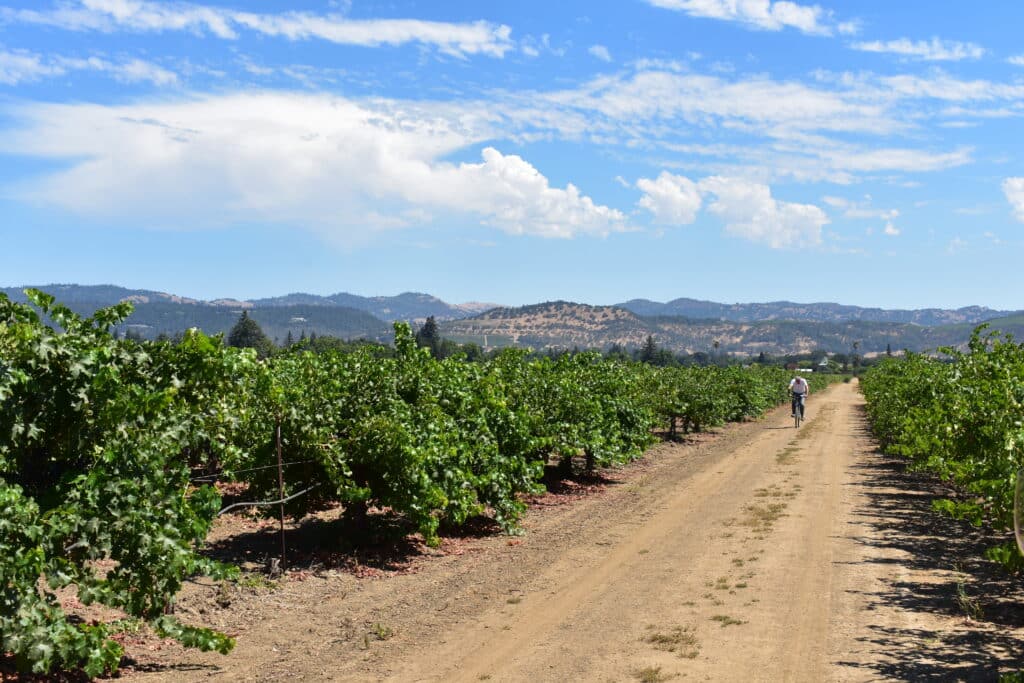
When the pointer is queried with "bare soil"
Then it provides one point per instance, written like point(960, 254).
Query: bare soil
point(759, 553)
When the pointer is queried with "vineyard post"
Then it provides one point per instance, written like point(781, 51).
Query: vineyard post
point(280, 491)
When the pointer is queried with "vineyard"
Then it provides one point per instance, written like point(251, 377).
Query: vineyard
point(958, 416)
point(101, 441)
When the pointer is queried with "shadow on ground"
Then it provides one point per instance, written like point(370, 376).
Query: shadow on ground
point(960, 581)
point(382, 541)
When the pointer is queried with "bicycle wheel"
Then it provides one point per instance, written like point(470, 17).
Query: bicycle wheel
point(798, 415)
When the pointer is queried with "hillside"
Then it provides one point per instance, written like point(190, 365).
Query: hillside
point(152, 319)
point(406, 306)
point(160, 313)
point(412, 306)
point(819, 312)
point(557, 323)
point(566, 325)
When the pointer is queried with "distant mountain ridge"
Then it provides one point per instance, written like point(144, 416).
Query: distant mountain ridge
point(785, 328)
point(819, 312)
point(404, 306)
point(413, 306)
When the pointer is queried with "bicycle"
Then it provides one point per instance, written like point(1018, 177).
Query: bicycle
point(798, 409)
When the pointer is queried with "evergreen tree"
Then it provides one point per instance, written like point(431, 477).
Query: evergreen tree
point(616, 352)
point(246, 334)
point(429, 336)
point(289, 340)
point(649, 350)
point(888, 350)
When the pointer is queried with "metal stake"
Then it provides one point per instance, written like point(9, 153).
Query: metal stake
point(280, 491)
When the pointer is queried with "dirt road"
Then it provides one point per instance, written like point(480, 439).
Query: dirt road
point(763, 554)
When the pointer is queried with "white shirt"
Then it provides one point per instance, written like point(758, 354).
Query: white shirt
point(798, 385)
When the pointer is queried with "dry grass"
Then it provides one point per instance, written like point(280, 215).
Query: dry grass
point(760, 518)
point(652, 674)
point(679, 639)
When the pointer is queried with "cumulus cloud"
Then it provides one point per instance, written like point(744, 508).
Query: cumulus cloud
point(750, 212)
point(762, 14)
point(1013, 188)
point(337, 166)
point(455, 39)
point(935, 50)
point(512, 195)
point(747, 208)
point(672, 199)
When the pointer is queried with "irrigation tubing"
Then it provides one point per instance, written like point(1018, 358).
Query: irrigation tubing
point(250, 469)
point(264, 503)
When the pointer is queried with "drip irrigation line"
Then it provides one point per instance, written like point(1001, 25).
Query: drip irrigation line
point(251, 469)
point(263, 503)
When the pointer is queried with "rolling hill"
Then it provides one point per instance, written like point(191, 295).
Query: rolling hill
point(819, 312)
point(562, 325)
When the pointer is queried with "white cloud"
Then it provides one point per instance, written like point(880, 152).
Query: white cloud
point(132, 71)
point(956, 244)
point(935, 50)
point(673, 199)
point(1016, 60)
point(455, 39)
point(513, 196)
point(18, 67)
point(861, 209)
point(1013, 188)
point(601, 52)
point(337, 166)
point(747, 208)
point(701, 100)
point(891, 229)
point(761, 14)
point(750, 212)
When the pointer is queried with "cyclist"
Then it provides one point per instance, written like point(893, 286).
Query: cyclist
point(799, 388)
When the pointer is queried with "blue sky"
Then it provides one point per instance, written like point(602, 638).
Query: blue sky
point(735, 150)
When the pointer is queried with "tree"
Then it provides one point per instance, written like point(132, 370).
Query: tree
point(888, 350)
point(429, 336)
point(649, 350)
point(289, 340)
point(246, 334)
point(616, 352)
